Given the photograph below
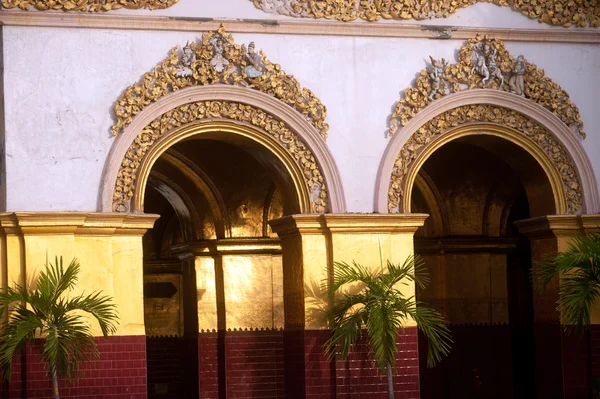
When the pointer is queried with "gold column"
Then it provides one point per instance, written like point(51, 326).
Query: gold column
point(311, 243)
point(108, 245)
point(548, 236)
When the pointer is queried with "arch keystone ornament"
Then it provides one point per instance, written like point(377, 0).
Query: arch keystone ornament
point(216, 59)
point(511, 98)
point(484, 63)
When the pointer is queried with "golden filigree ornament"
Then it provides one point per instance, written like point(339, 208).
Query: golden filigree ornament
point(206, 111)
point(490, 114)
point(553, 12)
point(87, 5)
point(217, 59)
point(485, 63)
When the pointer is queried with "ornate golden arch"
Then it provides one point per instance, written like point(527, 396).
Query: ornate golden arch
point(218, 116)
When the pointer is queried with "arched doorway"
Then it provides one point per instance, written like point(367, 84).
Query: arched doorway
point(212, 267)
point(216, 172)
point(475, 185)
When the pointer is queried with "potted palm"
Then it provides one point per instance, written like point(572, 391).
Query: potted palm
point(45, 312)
point(380, 307)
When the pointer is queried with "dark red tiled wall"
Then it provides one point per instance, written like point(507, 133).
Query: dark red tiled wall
point(360, 377)
point(548, 359)
point(120, 373)
point(595, 349)
point(254, 364)
point(576, 365)
point(310, 374)
point(479, 365)
point(208, 365)
point(166, 358)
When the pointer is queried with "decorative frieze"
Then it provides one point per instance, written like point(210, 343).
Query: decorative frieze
point(206, 111)
point(484, 62)
point(554, 12)
point(87, 5)
point(216, 59)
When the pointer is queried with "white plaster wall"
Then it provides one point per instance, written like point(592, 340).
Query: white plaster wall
point(477, 15)
point(61, 85)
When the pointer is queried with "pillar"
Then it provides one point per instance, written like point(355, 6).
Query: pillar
point(310, 245)
point(109, 248)
point(563, 363)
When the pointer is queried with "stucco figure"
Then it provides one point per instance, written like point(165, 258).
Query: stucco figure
point(255, 69)
point(218, 61)
point(516, 80)
point(188, 58)
point(438, 77)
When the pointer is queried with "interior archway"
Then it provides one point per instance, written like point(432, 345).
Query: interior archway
point(475, 186)
point(212, 265)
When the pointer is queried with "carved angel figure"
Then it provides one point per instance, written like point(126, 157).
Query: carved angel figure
point(255, 69)
point(188, 58)
point(218, 61)
point(516, 80)
point(478, 61)
point(438, 77)
point(483, 60)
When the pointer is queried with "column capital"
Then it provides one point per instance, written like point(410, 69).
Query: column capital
point(550, 226)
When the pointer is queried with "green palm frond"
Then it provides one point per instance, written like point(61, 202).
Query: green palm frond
point(382, 309)
point(579, 271)
point(46, 312)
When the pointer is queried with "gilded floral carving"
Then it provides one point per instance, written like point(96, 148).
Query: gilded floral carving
point(490, 114)
point(554, 12)
point(485, 63)
point(203, 111)
point(87, 5)
point(216, 59)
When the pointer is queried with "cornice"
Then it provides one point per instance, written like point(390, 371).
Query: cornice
point(228, 246)
point(303, 28)
point(79, 223)
point(348, 223)
point(550, 226)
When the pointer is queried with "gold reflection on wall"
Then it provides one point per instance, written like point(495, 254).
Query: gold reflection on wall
point(472, 194)
point(215, 199)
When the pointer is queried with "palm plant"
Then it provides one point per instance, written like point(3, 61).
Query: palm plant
point(382, 308)
point(45, 312)
point(579, 271)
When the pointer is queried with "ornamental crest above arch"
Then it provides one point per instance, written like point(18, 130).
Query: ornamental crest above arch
point(217, 59)
point(484, 63)
point(553, 12)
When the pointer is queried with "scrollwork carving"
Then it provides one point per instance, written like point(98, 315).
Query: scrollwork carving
point(217, 59)
point(209, 110)
point(87, 5)
point(484, 63)
point(491, 114)
point(553, 12)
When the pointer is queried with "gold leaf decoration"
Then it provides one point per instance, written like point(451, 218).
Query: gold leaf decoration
point(216, 59)
point(504, 73)
point(553, 12)
point(87, 5)
point(206, 111)
point(490, 114)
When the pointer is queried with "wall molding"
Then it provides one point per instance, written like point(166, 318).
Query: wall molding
point(303, 28)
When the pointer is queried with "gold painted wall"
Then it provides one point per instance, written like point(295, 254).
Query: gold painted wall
point(109, 247)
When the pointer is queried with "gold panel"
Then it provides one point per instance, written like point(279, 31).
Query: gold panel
point(565, 13)
point(109, 247)
point(163, 316)
point(311, 243)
